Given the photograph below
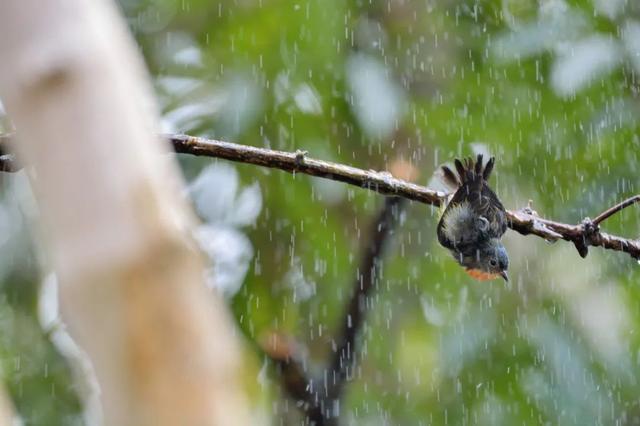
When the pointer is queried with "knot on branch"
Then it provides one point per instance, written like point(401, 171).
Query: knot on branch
point(531, 223)
point(300, 154)
point(590, 230)
point(387, 177)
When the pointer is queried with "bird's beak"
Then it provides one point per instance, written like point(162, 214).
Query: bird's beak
point(504, 275)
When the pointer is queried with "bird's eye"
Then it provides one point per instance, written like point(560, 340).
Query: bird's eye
point(493, 262)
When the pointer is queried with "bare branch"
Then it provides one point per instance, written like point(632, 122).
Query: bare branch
point(285, 353)
point(615, 209)
point(318, 402)
point(523, 221)
point(583, 235)
point(298, 162)
point(343, 358)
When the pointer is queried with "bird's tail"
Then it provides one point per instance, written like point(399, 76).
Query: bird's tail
point(468, 172)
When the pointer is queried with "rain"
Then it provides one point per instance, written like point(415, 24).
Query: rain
point(347, 309)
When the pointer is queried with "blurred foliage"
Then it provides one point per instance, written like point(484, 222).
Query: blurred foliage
point(37, 376)
point(550, 87)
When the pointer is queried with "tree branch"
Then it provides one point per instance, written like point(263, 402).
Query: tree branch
point(317, 404)
point(524, 221)
point(345, 355)
point(298, 162)
point(615, 209)
point(285, 353)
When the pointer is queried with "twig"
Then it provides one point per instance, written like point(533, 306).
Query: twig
point(345, 354)
point(522, 221)
point(581, 235)
point(615, 209)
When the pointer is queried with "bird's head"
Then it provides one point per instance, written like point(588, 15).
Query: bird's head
point(489, 261)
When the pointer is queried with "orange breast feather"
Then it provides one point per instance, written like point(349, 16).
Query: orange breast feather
point(481, 275)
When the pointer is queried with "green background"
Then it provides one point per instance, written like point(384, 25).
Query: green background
point(548, 87)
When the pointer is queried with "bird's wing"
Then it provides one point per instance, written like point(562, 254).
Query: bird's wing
point(490, 207)
point(473, 190)
point(457, 226)
point(484, 203)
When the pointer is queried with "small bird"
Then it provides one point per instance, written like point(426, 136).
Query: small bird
point(474, 220)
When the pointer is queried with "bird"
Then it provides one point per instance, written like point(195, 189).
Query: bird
point(474, 220)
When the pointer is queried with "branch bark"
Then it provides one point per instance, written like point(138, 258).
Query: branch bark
point(131, 280)
point(524, 221)
point(615, 209)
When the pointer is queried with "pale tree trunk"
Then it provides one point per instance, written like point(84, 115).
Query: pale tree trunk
point(118, 230)
point(7, 416)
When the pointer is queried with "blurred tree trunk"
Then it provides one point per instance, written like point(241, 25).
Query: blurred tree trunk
point(131, 280)
point(6, 408)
